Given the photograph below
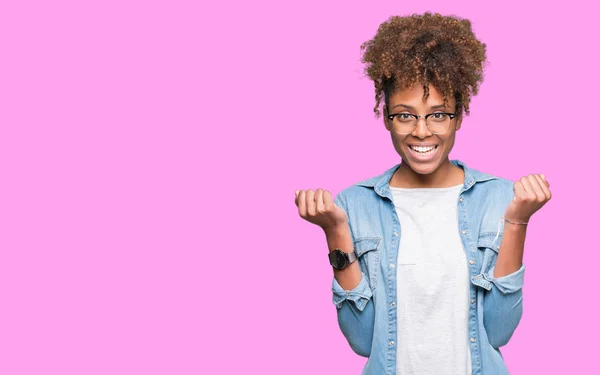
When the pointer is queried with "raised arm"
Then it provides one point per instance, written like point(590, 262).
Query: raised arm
point(350, 287)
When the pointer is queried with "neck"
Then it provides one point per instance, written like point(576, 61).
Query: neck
point(446, 175)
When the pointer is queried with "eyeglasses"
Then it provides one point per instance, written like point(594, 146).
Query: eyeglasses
point(406, 123)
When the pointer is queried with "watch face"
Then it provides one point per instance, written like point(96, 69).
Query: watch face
point(338, 259)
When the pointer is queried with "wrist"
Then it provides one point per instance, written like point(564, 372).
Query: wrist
point(339, 237)
point(513, 227)
point(515, 219)
point(337, 230)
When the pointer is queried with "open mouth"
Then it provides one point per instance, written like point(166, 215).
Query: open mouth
point(424, 150)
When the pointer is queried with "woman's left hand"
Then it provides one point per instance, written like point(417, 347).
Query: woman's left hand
point(531, 193)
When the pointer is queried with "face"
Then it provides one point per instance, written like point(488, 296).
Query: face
point(423, 151)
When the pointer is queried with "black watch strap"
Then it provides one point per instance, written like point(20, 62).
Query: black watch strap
point(352, 257)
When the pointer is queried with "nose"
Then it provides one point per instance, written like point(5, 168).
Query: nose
point(421, 130)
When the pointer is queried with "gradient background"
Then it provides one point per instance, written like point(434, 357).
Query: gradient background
point(149, 153)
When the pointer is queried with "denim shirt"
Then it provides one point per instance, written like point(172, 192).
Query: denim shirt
point(367, 314)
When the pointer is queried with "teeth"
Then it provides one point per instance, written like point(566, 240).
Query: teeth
point(422, 149)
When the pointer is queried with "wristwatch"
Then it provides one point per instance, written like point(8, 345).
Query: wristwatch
point(340, 259)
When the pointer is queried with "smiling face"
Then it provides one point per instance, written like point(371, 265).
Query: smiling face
point(424, 153)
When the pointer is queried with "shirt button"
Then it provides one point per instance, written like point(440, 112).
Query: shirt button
point(391, 343)
point(464, 232)
point(472, 301)
point(472, 261)
point(461, 200)
point(472, 339)
point(470, 182)
point(396, 234)
point(392, 265)
point(393, 304)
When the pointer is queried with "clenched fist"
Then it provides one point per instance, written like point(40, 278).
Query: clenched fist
point(317, 207)
point(530, 194)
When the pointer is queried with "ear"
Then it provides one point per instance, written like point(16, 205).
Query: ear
point(386, 123)
point(459, 122)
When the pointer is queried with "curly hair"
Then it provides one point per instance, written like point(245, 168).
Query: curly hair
point(425, 49)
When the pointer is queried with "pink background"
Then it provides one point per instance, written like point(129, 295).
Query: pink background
point(149, 153)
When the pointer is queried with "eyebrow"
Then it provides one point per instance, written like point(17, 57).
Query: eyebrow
point(437, 106)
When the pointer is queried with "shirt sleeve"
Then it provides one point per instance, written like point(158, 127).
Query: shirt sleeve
point(360, 295)
point(355, 308)
point(510, 283)
point(356, 315)
point(503, 305)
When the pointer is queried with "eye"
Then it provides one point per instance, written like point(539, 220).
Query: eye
point(439, 116)
point(405, 117)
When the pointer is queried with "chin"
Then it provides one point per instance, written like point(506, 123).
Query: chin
point(424, 168)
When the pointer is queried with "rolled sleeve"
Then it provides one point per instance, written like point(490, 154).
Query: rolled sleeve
point(510, 283)
point(360, 295)
point(356, 315)
point(503, 305)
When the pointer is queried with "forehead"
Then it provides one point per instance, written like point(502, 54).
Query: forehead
point(413, 97)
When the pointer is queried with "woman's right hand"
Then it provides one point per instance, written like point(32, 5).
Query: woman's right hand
point(317, 207)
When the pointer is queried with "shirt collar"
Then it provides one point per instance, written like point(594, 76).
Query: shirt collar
point(381, 183)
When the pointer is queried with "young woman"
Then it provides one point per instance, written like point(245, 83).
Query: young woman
point(427, 256)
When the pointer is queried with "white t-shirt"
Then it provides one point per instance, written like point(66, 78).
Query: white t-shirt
point(433, 284)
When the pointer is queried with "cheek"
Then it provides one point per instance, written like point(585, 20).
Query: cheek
point(448, 142)
point(398, 141)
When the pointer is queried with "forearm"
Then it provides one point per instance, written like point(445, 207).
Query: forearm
point(503, 302)
point(510, 258)
point(355, 309)
point(341, 238)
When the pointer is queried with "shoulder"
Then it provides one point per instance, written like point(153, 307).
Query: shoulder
point(500, 185)
point(355, 193)
point(366, 187)
point(491, 190)
point(484, 179)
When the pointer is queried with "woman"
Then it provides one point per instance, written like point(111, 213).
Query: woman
point(420, 283)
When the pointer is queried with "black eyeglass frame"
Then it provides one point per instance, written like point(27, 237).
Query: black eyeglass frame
point(417, 117)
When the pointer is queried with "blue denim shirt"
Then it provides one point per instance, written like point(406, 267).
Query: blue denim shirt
point(367, 314)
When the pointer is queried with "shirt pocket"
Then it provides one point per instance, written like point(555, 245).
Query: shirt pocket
point(487, 243)
point(367, 249)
